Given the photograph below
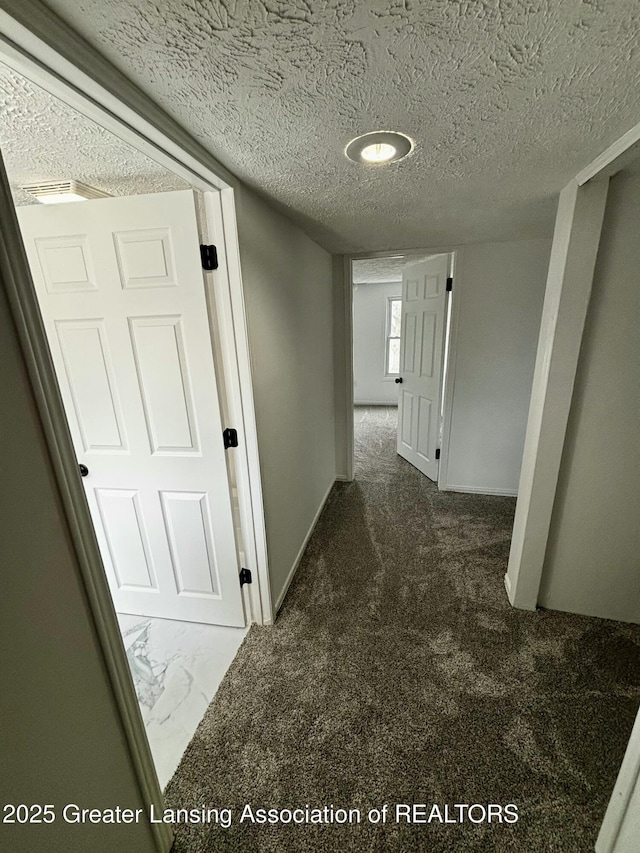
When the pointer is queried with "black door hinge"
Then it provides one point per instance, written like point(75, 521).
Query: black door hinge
point(438, 453)
point(449, 284)
point(209, 256)
point(245, 576)
point(230, 438)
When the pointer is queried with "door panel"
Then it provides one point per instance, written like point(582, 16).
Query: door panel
point(66, 264)
point(145, 258)
point(408, 342)
point(122, 294)
point(165, 388)
point(192, 551)
point(423, 321)
point(427, 359)
point(424, 431)
point(405, 423)
point(89, 375)
point(126, 537)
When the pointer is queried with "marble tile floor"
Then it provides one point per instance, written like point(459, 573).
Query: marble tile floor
point(177, 668)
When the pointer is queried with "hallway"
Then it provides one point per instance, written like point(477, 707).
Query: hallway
point(398, 673)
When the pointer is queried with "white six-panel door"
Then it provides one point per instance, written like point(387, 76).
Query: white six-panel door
point(424, 292)
point(122, 294)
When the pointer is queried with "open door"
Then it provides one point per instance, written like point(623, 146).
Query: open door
point(122, 295)
point(424, 296)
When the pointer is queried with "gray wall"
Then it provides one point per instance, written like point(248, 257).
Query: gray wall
point(500, 305)
point(288, 286)
point(592, 564)
point(60, 739)
point(369, 338)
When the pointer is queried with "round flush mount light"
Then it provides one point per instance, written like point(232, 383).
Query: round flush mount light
point(379, 147)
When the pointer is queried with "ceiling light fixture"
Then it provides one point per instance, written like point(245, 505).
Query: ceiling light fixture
point(379, 147)
point(60, 192)
point(378, 152)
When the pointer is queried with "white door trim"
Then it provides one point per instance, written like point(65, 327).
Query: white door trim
point(234, 338)
point(580, 208)
point(618, 833)
point(38, 44)
point(348, 353)
point(438, 250)
point(612, 159)
point(425, 297)
point(450, 377)
point(16, 278)
point(571, 268)
point(348, 347)
point(35, 42)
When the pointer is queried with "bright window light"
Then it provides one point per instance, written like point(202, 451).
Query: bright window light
point(394, 324)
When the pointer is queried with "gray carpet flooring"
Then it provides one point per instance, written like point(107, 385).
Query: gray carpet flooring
point(397, 673)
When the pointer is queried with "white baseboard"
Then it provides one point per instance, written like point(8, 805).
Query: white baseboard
point(296, 562)
point(511, 594)
point(342, 478)
point(507, 586)
point(473, 490)
point(393, 403)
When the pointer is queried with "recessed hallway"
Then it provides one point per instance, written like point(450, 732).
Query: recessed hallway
point(398, 673)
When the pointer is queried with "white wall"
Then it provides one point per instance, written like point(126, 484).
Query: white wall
point(369, 329)
point(592, 563)
point(499, 305)
point(342, 365)
point(288, 286)
point(61, 738)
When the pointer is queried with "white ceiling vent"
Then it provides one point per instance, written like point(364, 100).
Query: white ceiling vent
point(58, 192)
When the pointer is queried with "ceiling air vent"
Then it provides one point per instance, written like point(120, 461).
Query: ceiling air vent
point(57, 192)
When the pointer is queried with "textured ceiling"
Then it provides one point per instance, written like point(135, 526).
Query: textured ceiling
point(43, 139)
point(379, 270)
point(506, 99)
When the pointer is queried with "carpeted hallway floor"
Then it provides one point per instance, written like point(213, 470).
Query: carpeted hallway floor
point(398, 673)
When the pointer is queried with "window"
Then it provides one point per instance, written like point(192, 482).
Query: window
point(392, 349)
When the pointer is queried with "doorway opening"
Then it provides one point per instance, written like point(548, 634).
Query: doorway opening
point(401, 325)
point(133, 333)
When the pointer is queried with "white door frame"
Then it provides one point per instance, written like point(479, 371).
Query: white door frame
point(619, 830)
point(37, 44)
point(571, 269)
point(234, 340)
point(458, 253)
point(26, 313)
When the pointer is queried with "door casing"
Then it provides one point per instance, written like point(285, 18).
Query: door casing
point(40, 46)
point(456, 254)
point(421, 298)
